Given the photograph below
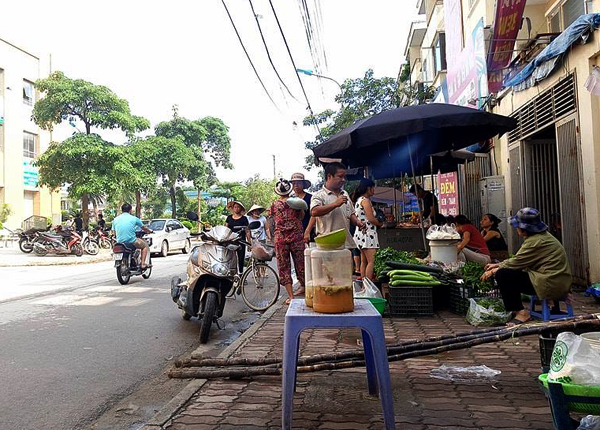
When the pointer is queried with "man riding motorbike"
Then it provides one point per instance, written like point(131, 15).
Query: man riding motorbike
point(125, 226)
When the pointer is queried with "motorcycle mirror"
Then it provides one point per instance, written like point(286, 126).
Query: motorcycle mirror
point(254, 225)
point(192, 216)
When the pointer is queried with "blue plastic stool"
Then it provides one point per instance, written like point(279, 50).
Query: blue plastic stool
point(299, 317)
point(544, 314)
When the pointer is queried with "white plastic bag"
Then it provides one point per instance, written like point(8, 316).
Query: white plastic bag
point(444, 232)
point(484, 313)
point(471, 374)
point(574, 361)
point(591, 422)
point(261, 251)
point(369, 289)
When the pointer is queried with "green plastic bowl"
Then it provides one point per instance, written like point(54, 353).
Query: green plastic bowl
point(377, 302)
point(334, 240)
point(578, 390)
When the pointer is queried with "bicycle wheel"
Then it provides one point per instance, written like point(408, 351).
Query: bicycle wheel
point(260, 286)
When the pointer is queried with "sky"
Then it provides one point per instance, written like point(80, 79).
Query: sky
point(157, 54)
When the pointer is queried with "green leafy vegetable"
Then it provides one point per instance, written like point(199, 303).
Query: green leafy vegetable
point(389, 254)
point(471, 273)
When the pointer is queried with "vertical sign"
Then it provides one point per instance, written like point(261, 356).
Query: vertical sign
point(448, 197)
point(467, 76)
point(507, 23)
point(30, 173)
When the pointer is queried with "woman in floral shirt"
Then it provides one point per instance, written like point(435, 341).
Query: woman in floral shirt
point(289, 238)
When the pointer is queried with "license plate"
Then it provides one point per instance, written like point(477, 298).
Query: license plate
point(117, 257)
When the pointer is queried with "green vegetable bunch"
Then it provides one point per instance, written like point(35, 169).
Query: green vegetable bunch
point(471, 273)
point(493, 304)
point(399, 278)
point(383, 255)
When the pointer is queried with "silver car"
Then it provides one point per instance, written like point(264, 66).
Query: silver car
point(169, 235)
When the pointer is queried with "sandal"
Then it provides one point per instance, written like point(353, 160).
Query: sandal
point(300, 292)
point(288, 301)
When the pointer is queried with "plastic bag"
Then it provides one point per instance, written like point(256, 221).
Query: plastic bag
point(487, 313)
point(261, 251)
point(591, 422)
point(369, 289)
point(574, 361)
point(472, 374)
point(447, 232)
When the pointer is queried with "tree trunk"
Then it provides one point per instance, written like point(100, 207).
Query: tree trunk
point(138, 204)
point(95, 207)
point(173, 202)
point(85, 202)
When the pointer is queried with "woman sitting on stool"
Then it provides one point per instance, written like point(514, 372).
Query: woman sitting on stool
point(540, 266)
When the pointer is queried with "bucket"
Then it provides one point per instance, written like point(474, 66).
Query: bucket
point(443, 251)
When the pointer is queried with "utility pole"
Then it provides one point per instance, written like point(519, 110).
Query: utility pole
point(274, 169)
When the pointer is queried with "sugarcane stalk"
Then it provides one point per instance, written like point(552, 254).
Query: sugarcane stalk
point(336, 365)
point(198, 361)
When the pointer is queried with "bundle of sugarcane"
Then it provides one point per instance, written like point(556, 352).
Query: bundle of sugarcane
point(228, 368)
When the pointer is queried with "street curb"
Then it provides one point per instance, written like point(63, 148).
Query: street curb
point(59, 263)
point(168, 411)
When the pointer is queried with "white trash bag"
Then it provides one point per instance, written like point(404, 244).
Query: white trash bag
point(591, 422)
point(444, 232)
point(487, 313)
point(574, 361)
point(369, 289)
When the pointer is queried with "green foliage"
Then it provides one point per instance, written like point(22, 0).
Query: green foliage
point(1, 225)
point(253, 191)
point(76, 99)
point(383, 255)
point(214, 215)
point(84, 162)
point(471, 273)
point(361, 98)
point(5, 212)
point(187, 224)
point(155, 204)
point(64, 216)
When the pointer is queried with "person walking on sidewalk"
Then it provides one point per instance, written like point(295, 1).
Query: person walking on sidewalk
point(288, 238)
point(331, 205)
point(366, 239)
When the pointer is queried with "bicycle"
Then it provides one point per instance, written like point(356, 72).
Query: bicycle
point(258, 284)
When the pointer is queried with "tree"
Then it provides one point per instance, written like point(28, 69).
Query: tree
point(361, 98)
point(83, 161)
point(95, 106)
point(253, 191)
point(205, 136)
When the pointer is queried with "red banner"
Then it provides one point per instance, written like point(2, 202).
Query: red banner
point(507, 23)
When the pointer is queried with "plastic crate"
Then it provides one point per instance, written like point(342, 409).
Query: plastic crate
point(460, 294)
point(411, 301)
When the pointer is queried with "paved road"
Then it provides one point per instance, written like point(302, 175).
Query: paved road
point(69, 355)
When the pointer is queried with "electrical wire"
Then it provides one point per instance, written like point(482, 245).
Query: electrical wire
point(248, 56)
point(294, 65)
point(267, 51)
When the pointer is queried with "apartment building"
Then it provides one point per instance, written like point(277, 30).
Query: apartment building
point(530, 59)
point(21, 141)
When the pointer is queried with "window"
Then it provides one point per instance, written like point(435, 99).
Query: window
point(439, 53)
point(29, 145)
point(424, 72)
point(28, 93)
point(565, 14)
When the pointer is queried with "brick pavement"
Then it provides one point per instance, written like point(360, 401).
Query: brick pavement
point(340, 399)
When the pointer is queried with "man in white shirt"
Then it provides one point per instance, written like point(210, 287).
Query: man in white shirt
point(331, 206)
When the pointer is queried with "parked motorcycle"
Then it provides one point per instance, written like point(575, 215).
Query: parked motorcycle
point(26, 239)
point(90, 246)
point(128, 262)
point(58, 242)
point(212, 271)
point(102, 238)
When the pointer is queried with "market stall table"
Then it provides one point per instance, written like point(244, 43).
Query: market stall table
point(299, 317)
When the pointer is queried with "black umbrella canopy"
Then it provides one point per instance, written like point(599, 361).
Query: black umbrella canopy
point(432, 127)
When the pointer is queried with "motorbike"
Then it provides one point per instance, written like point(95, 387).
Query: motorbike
point(26, 240)
point(101, 238)
point(212, 271)
point(90, 246)
point(58, 242)
point(128, 262)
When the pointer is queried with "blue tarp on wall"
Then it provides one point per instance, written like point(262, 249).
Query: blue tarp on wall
point(542, 65)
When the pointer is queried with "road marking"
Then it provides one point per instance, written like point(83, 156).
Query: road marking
point(94, 301)
point(134, 290)
point(133, 302)
point(64, 299)
point(101, 289)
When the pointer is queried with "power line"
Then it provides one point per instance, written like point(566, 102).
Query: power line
point(267, 50)
point(294, 65)
point(248, 56)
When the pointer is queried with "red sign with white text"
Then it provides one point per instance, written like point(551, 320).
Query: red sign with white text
point(506, 28)
point(448, 197)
